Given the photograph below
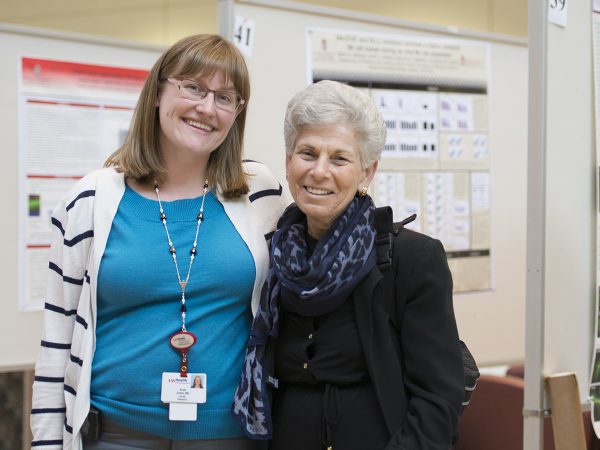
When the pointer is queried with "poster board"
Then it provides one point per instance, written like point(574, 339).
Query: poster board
point(72, 116)
point(433, 95)
point(22, 329)
point(492, 322)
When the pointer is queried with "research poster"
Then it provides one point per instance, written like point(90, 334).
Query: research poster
point(433, 95)
point(71, 117)
point(595, 372)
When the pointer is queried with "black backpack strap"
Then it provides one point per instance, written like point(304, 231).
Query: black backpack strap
point(386, 230)
point(399, 225)
point(384, 226)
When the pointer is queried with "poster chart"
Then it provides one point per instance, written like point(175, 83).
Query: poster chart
point(71, 117)
point(595, 373)
point(433, 96)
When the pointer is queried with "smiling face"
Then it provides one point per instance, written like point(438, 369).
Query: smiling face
point(324, 173)
point(191, 130)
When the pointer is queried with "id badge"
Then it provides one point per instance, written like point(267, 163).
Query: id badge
point(183, 394)
point(188, 389)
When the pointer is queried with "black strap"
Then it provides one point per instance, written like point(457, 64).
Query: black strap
point(406, 221)
point(386, 229)
point(384, 225)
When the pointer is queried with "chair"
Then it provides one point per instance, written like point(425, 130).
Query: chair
point(517, 370)
point(494, 420)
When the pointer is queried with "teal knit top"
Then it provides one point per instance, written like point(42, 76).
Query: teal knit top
point(139, 309)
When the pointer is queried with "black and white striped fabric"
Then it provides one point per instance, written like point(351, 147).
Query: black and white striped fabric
point(80, 227)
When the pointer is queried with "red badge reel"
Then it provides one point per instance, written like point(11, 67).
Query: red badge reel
point(182, 341)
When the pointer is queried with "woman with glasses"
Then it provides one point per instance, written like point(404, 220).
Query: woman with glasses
point(156, 265)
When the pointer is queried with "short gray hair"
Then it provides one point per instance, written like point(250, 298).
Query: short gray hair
point(330, 102)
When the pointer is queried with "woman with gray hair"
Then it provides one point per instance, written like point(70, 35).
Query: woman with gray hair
point(363, 357)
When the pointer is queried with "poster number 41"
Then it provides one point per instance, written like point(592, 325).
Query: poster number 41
point(243, 35)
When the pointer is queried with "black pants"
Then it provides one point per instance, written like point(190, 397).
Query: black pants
point(307, 417)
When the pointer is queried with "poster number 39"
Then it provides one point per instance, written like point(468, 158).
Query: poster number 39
point(557, 12)
point(243, 35)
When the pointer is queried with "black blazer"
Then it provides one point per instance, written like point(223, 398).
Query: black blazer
point(417, 370)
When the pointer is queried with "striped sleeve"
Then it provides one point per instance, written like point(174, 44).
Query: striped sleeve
point(71, 238)
point(266, 195)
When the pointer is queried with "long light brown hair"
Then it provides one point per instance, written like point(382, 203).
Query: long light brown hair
point(196, 56)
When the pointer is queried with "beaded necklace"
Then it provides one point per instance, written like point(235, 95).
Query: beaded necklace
point(183, 340)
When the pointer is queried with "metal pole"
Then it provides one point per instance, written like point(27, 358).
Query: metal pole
point(534, 409)
point(226, 18)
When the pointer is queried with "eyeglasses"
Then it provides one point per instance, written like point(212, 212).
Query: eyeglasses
point(225, 99)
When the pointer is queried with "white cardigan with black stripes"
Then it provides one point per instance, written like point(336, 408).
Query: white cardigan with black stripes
point(81, 225)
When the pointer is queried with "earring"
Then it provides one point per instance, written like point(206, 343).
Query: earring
point(287, 175)
point(363, 191)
